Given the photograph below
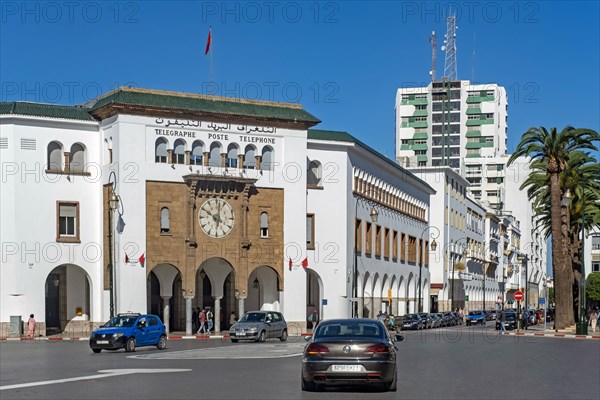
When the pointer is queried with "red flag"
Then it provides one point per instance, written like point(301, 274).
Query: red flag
point(142, 260)
point(290, 263)
point(305, 263)
point(208, 41)
point(126, 259)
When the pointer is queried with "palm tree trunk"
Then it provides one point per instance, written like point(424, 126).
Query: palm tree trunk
point(563, 289)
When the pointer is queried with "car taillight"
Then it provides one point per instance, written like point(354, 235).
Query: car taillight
point(314, 348)
point(378, 348)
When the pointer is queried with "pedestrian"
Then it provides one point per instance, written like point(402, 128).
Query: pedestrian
point(525, 318)
point(594, 320)
point(538, 316)
point(502, 324)
point(209, 320)
point(314, 318)
point(232, 319)
point(31, 326)
point(202, 318)
point(195, 315)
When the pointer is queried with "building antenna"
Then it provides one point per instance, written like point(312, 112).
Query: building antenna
point(450, 48)
point(432, 40)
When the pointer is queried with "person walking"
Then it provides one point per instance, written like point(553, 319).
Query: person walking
point(594, 320)
point(525, 318)
point(502, 324)
point(31, 326)
point(202, 318)
point(209, 320)
point(195, 316)
point(232, 319)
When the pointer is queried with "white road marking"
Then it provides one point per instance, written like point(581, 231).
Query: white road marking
point(242, 351)
point(105, 373)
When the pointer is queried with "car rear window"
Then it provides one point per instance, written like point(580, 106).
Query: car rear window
point(351, 328)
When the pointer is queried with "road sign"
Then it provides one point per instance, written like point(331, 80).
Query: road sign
point(542, 300)
point(518, 295)
point(466, 297)
point(324, 302)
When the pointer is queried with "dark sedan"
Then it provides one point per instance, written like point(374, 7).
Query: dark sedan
point(350, 352)
point(413, 321)
point(427, 320)
point(510, 320)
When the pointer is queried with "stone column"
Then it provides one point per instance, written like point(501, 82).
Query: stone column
point(188, 315)
point(240, 161)
point(169, 156)
point(217, 316)
point(223, 160)
point(67, 163)
point(166, 312)
point(187, 157)
point(241, 306)
point(205, 158)
point(258, 161)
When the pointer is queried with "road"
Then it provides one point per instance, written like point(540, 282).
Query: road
point(452, 363)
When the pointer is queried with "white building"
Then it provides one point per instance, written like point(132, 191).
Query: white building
point(447, 122)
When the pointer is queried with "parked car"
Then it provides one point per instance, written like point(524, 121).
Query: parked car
point(350, 351)
point(259, 326)
point(427, 320)
point(476, 317)
point(450, 318)
point(436, 320)
point(413, 321)
point(458, 318)
point(129, 331)
point(492, 315)
point(510, 320)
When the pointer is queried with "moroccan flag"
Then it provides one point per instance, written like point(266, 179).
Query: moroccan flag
point(126, 259)
point(208, 41)
point(290, 263)
point(305, 263)
point(142, 260)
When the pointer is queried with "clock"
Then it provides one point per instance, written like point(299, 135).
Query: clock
point(216, 218)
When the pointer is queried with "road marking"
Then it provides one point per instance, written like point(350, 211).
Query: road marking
point(105, 373)
point(237, 352)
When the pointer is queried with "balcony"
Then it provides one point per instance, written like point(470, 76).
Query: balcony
point(473, 110)
point(472, 134)
point(414, 124)
point(420, 146)
point(473, 155)
point(420, 135)
point(479, 99)
point(420, 113)
point(411, 101)
point(478, 145)
point(422, 157)
point(480, 121)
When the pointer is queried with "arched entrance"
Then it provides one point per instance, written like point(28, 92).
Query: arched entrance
point(263, 294)
point(215, 290)
point(314, 295)
point(165, 296)
point(67, 298)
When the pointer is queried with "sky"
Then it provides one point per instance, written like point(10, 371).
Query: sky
point(343, 61)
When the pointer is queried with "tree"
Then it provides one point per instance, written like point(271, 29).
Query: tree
point(592, 288)
point(553, 150)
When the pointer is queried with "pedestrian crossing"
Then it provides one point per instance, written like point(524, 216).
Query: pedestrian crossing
point(238, 351)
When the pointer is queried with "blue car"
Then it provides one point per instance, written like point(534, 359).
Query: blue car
point(129, 331)
point(476, 317)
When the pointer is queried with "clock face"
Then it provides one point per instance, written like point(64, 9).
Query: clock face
point(216, 218)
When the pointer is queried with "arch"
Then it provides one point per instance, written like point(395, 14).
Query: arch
point(263, 289)
point(160, 150)
point(401, 295)
point(264, 224)
point(197, 154)
point(232, 155)
point(179, 152)
point(410, 294)
point(314, 173)
point(314, 295)
point(365, 296)
point(165, 220)
point(165, 295)
point(249, 157)
point(266, 162)
point(214, 156)
point(55, 156)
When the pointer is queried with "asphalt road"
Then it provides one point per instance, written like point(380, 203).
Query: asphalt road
point(453, 363)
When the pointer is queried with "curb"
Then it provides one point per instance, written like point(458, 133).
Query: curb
point(560, 335)
point(170, 337)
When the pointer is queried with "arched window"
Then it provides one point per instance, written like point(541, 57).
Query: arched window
point(232, 156)
point(249, 157)
point(160, 150)
point(264, 225)
point(164, 220)
point(179, 152)
point(77, 158)
point(313, 176)
point(55, 156)
point(197, 153)
point(214, 158)
point(266, 163)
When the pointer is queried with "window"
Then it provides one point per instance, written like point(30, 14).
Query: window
point(179, 152)
point(377, 241)
point(76, 158)
point(412, 249)
point(249, 157)
point(596, 242)
point(214, 156)
point(358, 235)
point(266, 163)
point(67, 222)
point(232, 156)
point(395, 245)
point(596, 267)
point(160, 150)
point(426, 253)
point(264, 225)
point(55, 156)
point(402, 247)
point(310, 231)
point(164, 221)
point(197, 153)
point(386, 244)
point(369, 239)
point(313, 176)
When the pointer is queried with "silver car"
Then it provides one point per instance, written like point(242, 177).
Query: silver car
point(258, 326)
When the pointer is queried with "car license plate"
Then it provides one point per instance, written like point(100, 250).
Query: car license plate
point(346, 368)
point(102, 341)
point(241, 334)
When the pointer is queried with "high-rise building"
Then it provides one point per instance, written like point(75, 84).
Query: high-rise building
point(448, 122)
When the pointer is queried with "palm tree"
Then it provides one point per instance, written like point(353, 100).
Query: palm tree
point(554, 149)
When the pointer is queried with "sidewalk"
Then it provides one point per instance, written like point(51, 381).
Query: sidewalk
point(569, 333)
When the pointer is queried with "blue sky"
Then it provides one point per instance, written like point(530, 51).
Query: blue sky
point(342, 60)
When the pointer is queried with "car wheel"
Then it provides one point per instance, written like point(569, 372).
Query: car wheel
point(130, 345)
point(284, 335)
point(96, 350)
point(307, 386)
point(162, 343)
point(234, 340)
point(262, 337)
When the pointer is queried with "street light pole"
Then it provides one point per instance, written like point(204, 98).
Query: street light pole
point(110, 261)
point(484, 274)
point(432, 235)
point(581, 328)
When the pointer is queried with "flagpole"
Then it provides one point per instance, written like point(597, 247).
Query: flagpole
point(211, 60)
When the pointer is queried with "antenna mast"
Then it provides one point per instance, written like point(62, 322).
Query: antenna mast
point(450, 48)
point(432, 40)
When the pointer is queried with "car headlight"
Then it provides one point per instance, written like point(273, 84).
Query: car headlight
point(253, 329)
point(117, 335)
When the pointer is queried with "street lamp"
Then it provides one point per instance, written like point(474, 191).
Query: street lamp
point(581, 328)
point(113, 204)
point(374, 215)
point(433, 235)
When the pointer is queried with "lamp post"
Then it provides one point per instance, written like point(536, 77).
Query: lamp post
point(485, 268)
point(581, 328)
point(433, 235)
point(113, 204)
point(374, 215)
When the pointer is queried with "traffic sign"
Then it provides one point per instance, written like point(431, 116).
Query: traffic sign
point(518, 295)
point(542, 300)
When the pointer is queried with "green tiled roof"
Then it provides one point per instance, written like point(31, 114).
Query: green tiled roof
point(207, 104)
point(45, 110)
point(339, 136)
